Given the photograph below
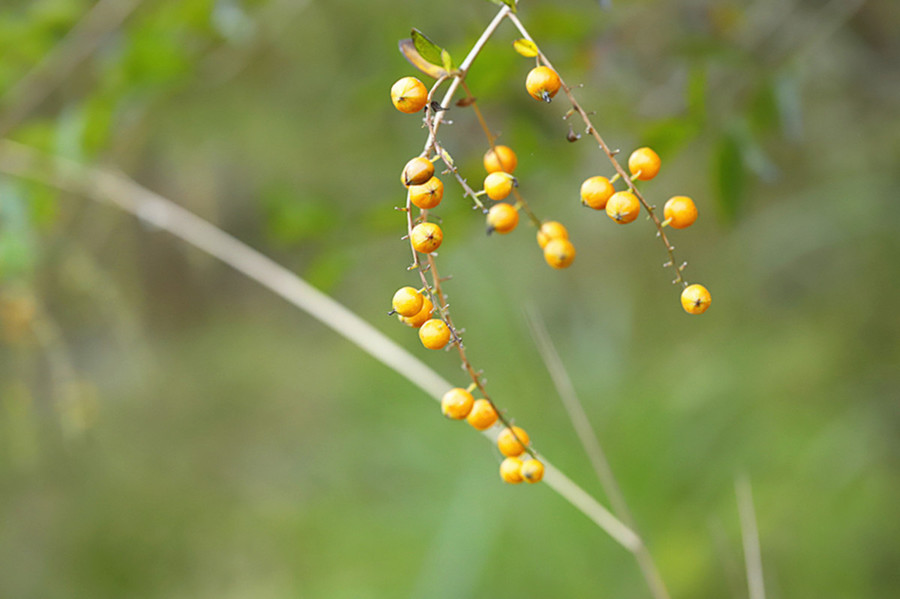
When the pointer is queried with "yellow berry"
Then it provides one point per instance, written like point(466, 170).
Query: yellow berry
point(502, 218)
point(511, 470)
point(559, 253)
point(512, 441)
point(623, 207)
point(457, 403)
point(549, 231)
point(680, 211)
point(645, 161)
point(423, 315)
point(409, 95)
point(428, 194)
point(695, 299)
point(417, 171)
point(407, 301)
point(542, 83)
point(500, 158)
point(596, 191)
point(498, 185)
point(426, 237)
point(434, 334)
point(483, 415)
point(532, 471)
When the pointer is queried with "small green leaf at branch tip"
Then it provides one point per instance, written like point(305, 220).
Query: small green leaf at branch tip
point(427, 48)
point(445, 156)
point(526, 48)
point(446, 61)
point(510, 3)
point(409, 51)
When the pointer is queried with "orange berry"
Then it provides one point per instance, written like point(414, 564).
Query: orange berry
point(680, 211)
point(551, 230)
point(417, 171)
point(423, 315)
point(498, 185)
point(596, 191)
point(434, 334)
point(532, 471)
point(500, 158)
point(695, 299)
point(512, 445)
point(407, 301)
point(645, 161)
point(559, 253)
point(502, 218)
point(511, 470)
point(623, 207)
point(457, 403)
point(542, 83)
point(483, 415)
point(428, 194)
point(409, 95)
point(426, 237)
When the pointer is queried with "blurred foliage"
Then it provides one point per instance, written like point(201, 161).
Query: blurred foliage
point(168, 429)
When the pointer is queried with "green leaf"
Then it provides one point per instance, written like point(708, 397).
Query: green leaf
point(427, 48)
point(729, 175)
point(446, 61)
point(510, 3)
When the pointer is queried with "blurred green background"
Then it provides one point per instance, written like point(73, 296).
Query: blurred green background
point(170, 429)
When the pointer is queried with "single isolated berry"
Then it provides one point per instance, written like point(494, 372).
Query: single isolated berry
point(434, 334)
point(551, 230)
point(559, 253)
point(498, 185)
point(512, 441)
point(421, 317)
point(511, 470)
point(426, 237)
point(532, 471)
point(428, 194)
point(623, 207)
point(483, 415)
point(407, 301)
point(695, 299)
point(417, 171)
point(457, 403)
point(500, 158)
point(409, 95)
point(542, 83)
point(502, 218)
point(596, 191)
point(680, 212)
point(644, 161)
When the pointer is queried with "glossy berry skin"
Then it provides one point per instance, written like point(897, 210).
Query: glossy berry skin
point(596, 191)
point(483, 415)
point(623, 207)
point(532, 471)
point(502, 218)
point(551, 230)
point(511, 470)
point(680, 211)
point(646, 161)
point(457, 403)
point(559, 253)
point(434, 334)
point(417, 171)
point(695, 299)
point(511, 445)
point(542, 83)
point(427, 195)
point(500, 158)
point(409, 95)
point(426, 237)
point(407, 301)
point(498, 185)
point(423, 315)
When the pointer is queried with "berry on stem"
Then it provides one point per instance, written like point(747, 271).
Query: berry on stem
point(680, 212)
point(532, 471)
point(457, 403)
point(596, 191)
point(426, 237)
point(500, 158)
point(502, 218)
point(542, 83)
point(417, 171)
point(483, 415)
point(512, 441)
point(623, 207)
point(427, 195)
point(559, 253)
point(695, 299)
point(434, 334)
point(511, 470)
point(498, 185)
point(407, 301)
point(549, 231)
point(423, 315)
point(644, 161)
point(409, 95)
